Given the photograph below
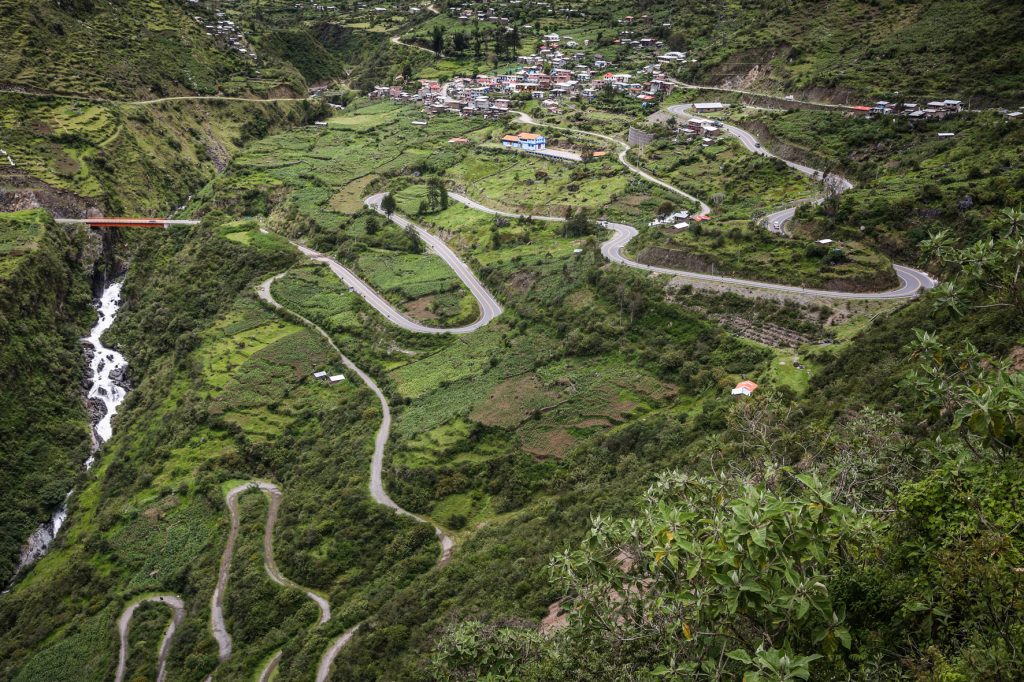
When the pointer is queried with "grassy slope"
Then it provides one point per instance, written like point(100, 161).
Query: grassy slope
point(44, 310)
point(109, 154)
point(110, 49)
point(223, 393)
point(924, 49)
point(909, 182)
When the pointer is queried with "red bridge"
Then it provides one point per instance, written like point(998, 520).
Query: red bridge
point(127, 222)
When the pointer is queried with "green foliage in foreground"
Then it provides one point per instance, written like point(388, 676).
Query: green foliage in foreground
point(930, 583)
point(44, 311)
point(718, 577)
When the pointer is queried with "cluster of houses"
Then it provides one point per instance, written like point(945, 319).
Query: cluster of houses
point(489, 95)
point(226, 30)
point(938, 109)
point(489, 11)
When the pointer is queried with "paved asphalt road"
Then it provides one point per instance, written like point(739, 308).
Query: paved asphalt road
point(911, 281)
point(777, 220)
point(489, 306)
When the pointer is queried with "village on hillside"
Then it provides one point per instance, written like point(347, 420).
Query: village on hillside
point(550, 76)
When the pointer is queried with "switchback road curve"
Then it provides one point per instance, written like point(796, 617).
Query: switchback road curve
point(217, 625)
point(177, 615)
point(912, 281)
point(377, 491)
point(487, 304)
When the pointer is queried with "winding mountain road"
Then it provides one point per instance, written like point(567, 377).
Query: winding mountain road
point(397, 40)
point(912, 281)
point(488, 305)
point(217, 625)
point(377, 491)
point(177, 615)
point(623, 151)
point(775, 221)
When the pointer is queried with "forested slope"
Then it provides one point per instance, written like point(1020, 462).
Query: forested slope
point(44, 311)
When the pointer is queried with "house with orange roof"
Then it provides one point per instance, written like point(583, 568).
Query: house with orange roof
point(744, 388)
point(528, 141)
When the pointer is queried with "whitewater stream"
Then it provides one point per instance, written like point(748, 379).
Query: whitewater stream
point(107, 389)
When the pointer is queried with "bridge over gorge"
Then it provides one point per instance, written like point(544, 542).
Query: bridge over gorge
point(127, 222)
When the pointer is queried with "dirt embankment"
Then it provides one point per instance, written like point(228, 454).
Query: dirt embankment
point(791, 152)
point(753, 70)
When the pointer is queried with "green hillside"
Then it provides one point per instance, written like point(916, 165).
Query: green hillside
point(409, 403)
point(111, 49)
point(950, 48)
point(44, 311)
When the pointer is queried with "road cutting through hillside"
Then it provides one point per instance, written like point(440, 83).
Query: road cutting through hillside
point(488, 305)
point(217, 624)
point(912, 282)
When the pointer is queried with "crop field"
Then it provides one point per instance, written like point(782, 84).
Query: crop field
point(99, 151)
point(462, 357)
point(366, 118)
point(423, 285)
point(349, 198)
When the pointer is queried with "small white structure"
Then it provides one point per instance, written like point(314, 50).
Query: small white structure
point(322, 124)
point(335, 378)
point(672, 219)
point(824, 241)
point(947, 134)
point(709, 106)
point(744, 388)
point(319, 375)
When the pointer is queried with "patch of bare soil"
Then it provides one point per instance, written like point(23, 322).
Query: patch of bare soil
point(677, 260)
point(556, 619)
point(521, 282)
point(419, 309)
point(592, 421)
